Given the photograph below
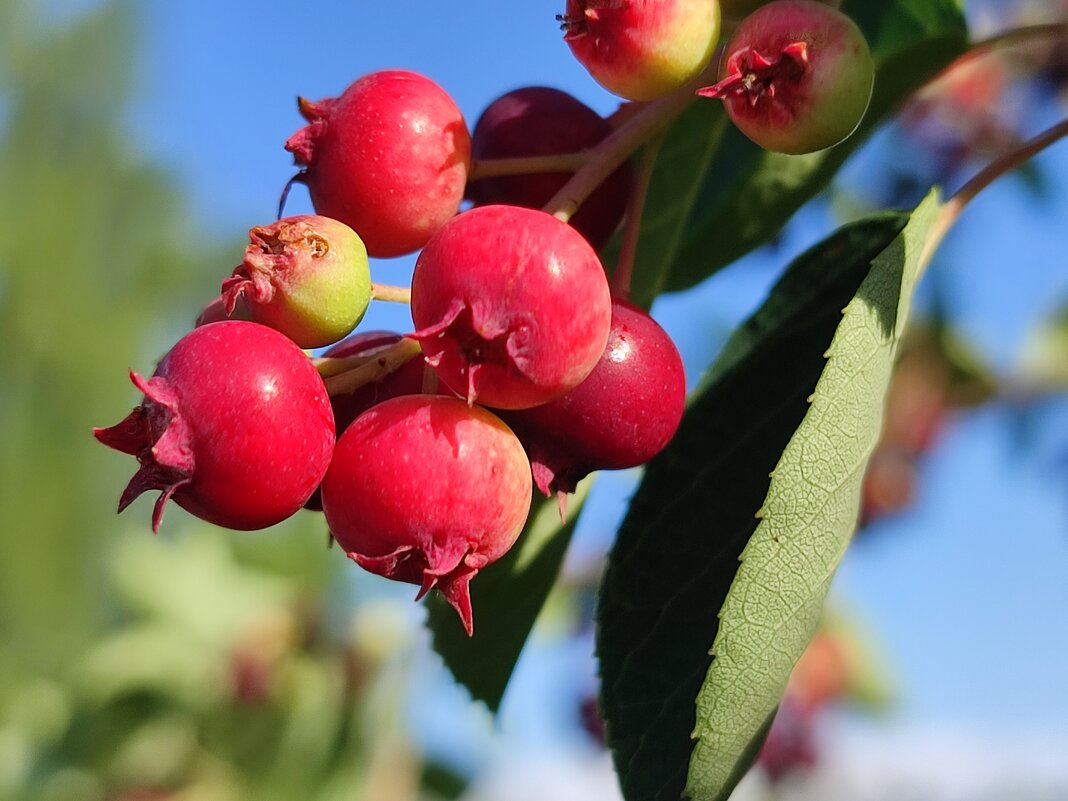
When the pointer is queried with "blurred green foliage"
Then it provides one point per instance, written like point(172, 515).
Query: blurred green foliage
point(199, 664)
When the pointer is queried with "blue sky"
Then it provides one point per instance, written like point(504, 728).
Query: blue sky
point(967, 592)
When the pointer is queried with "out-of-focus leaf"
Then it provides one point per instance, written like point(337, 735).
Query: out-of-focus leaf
point(715, 195)
point(506, 597)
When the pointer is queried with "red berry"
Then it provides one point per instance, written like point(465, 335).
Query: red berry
point(427, 490)
point(622, 415)
point(305, 276)
point(235, 426)
point(798, 76)
point(389, 158)
point(539, 121)
point(512, 306)
point(642, 49)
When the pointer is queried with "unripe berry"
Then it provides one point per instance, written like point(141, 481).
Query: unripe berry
point(622, 415)
point(642, 49)
point(235, 426)
point(427, 490)
point(389, 158)
point(512, 306)
point(798, 76)
point(540, 121)
point(305, 276)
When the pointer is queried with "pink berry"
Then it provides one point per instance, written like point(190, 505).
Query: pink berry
point(798, 76)
point(305, 276)
point(389, 158)
point(235, 426)
point(512, 306)
point(427, 490)
point(539, 121)
point(642, 49)
point(622, 415)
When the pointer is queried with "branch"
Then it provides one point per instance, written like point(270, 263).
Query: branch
point(652, 119)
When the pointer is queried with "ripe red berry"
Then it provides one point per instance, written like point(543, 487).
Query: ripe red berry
point(512, 306)
point(235, 426)
point(642, 49)
point(389, 158)
point(540, 121)
point(305, 276)
point(622, 415)
point(427, 490)
point(798, 76)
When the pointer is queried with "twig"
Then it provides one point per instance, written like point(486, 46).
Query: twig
point(628, 251)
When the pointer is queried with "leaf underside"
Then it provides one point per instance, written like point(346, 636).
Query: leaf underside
point(677, 551)
point(807, 519)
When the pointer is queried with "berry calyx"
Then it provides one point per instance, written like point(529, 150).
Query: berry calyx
point(305, 276)
point(641, 49)
point(427, 490)
point(235, 426)
point(512, 306)
point(389, 158)
point(622, 415)
point(541, 121)
point(798, 76)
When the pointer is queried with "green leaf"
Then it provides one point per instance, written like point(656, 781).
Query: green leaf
point(678, 549)
point(715, 196)
point(807, 519)
point(506, 597)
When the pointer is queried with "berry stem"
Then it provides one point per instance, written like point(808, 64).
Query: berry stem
point(393, 294)
point(1000, 166)
point(1014, 36)
point(527, 165)
point(370, 369)
point(628, 251)
point(649, 121)
point(1008, 38)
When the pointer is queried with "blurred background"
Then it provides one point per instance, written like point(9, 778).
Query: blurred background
point(140, 141)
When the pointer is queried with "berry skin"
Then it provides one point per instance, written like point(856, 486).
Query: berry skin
point(622, 415)
point(235, 426)
point(798, 76)
point(305, 276)
point(427, 490)
point(642, 49)
point(389, 158)
point(511, 305)
point(540, 121)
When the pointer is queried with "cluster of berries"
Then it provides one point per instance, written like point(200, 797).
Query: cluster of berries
point(393, 436)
